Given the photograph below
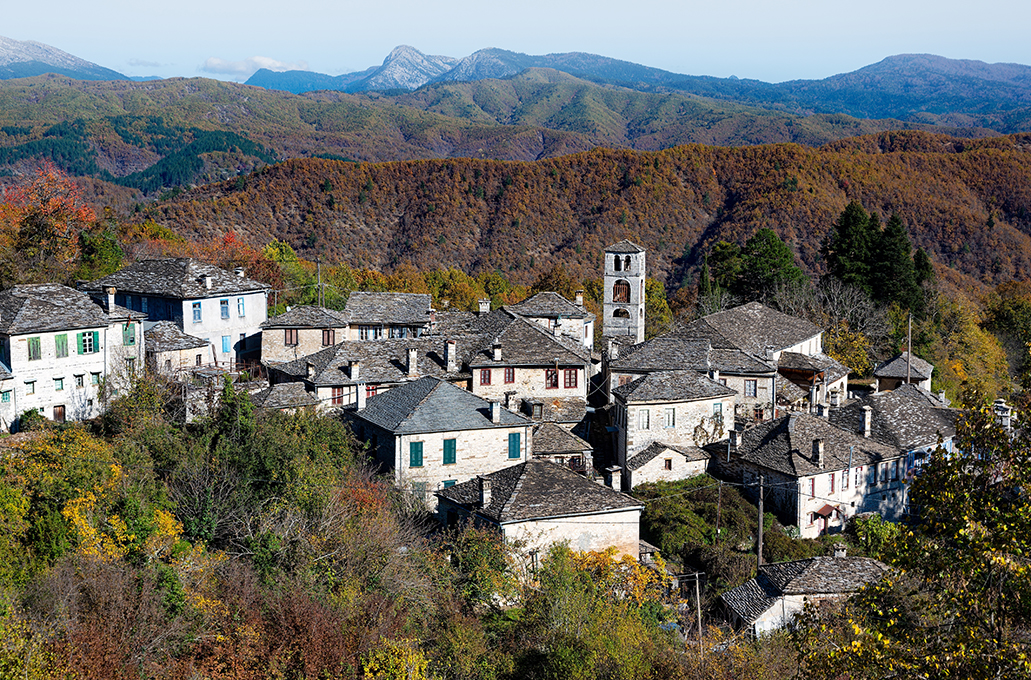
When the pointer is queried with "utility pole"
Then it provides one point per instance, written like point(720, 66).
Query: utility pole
point(759, 549)
point(318, 269)
point(909, 350)
point(698, 603)
point(719, 505)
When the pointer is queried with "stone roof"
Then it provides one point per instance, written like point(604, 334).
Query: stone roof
point(788, 392)
point(683, 385)
point(832, 369)
point(555, 409)
point(5, 371)
point(536, 490)
point(656, 449)
point(175, 277)
point(548, 305)
point(524, 343)
point(550, 439)
point(165, 336)
point(412, 309)
point(786, 446)
point(284, 395)
point(906, 418)
point(896, 368)
point(624, 246)
point(457, 322)
point(812, 576)
point(737, 362)
point(432, 405)
point(382, 361)
point(754, 327)
point(307, 316)
point(664, 353)
point(45, 307)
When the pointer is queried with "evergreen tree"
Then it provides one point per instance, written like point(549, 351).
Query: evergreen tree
point(704, 282)
point(767, 262)
point(849, 246)
point(924, 268)
point(725, 265)
point(893, 277)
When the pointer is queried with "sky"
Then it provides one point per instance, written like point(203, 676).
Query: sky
point(760, 39)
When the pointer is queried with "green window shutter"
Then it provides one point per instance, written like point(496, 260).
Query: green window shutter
point(96, 341)
point(513, 445)
point(78, 341)
point(61, 345)
point(415, 454)
point(449, 451)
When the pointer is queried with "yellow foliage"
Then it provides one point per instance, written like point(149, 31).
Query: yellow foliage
point(197, 571)
point(99, 535)
point(396, 660)
point(623, 576)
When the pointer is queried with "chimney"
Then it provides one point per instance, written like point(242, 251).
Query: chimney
point(714, 375)
point(359, 395)
point(941, 398)
point(836, 398)
point(822, 410)
point(484, 307)
point(495, 412)
point(110, 298)
point(239, 272)
point(818, 459)
point(484, 490)
point(615, 478)
point(613, 350)
point(497, 351)
point(451, 356)
point(310, 372)
point(867, 421)
point(412, 367)
point(735, 438)
point(579, 298)
point(354, 367)
point(508, 399)
point(840, 550)
point(206, 280)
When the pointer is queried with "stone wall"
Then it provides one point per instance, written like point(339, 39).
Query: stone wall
point(274, 349)
point(581, 532)
point(686, 417)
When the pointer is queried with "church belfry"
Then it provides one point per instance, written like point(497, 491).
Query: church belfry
point(623, 312)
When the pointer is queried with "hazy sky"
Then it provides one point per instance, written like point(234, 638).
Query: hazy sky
point(762, 39)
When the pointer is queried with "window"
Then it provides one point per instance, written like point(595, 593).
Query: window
point(537, 411)
point(884, 472)
point(338, 396)
point(667, 464)
point(196, 312)
point(370, 332)
point(240, 309)
point(625, 380)
point(617, 263)
point(371, 390)
point(832, 482)
point(58, 384)
point(844, 479)
point(168, 364)
point(290, 337)
point(751, 387)
point(227, 344)
point(399, 332)
point(621, 291)
point(550, 378)
point(812, 487)
point(449, 452)
point(484, 376)
point(30, 387)
point(329, 337)
point(243, 341)
point(514, 445)
point(509, 375)
point(34, 351)
point(448, 483)
point(419, 489)
point(61, 345)
point(128, 334)
point(415, 454)
point(895, 470)
point(223, 308)
point(723, 381)
point(644, 417)
point(5, 397)
point(143, 305)
point(859, 471)
point(200, 358)
point(569, 378)
point(670, 417)
point(94, 378)
point(88, 343)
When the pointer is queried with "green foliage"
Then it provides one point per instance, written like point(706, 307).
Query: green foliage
point(849, 248)
point(767, 262)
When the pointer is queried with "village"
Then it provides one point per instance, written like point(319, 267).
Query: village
point(513, 418)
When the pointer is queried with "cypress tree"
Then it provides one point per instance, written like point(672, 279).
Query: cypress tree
point(894, 276)
point(704, 282)
point(848, 249)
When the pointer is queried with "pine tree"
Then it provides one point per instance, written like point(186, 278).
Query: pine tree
point(849, 246)
point(893, 277)
point(767, 263)
point(704, 282)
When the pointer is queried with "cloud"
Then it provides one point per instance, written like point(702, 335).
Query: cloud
point(247, 67)
point(143, 63)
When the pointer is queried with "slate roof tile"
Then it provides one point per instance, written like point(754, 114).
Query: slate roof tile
point(672, 386)
point(905, 418)
point(165, 336)
point(548, 305)
point(284, 395)
point(624, 246)
point(896, 368)
point(389, 308)
point(751, 327)
point(655, 449)
point(46, 307)
point(550, 439)
point(307, 316)
point(175, 277)
point(524, 343)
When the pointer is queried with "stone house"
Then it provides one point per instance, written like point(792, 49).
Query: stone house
point(680, 408)
point(287, 397)
point(171, 352)
point(901, 369)
point(780, 591)
point(557, 314)
point(384, 316)
point(556, 444)
point(816, 475)
point(538, 503)
point(824, 379)
point(432, 435)
point(301, 331)
point(661, 462)
point(58, 347)
point(225, 309)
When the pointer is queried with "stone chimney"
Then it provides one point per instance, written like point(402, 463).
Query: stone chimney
point(412, 367)
point(354, 367)
point(495, 412)
point(714, 375)
point(206, 280)
point(840, 550)
point(735, 438)
point(310, 371)
point(485, 496)
point(110, 298)
point(818, 458)
point(579, 298)
point(359, 395)
point(239, 272)
point(613, 350)
point(496, 351)
point(615, 478)
point(451, 356)
point(484, 307)
point(867, 421)
point(822, 410)
point(836, 398)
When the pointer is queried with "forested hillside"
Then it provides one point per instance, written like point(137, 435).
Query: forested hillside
point(967, 203)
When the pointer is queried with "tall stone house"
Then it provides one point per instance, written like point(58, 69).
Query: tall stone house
point(624, 294)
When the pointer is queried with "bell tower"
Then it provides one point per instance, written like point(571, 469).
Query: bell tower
point(623, 312)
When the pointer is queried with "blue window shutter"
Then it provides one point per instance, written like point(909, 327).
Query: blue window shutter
point(449, 451)
point(513, 445)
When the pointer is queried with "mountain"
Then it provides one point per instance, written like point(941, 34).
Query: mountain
point(20, 59)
